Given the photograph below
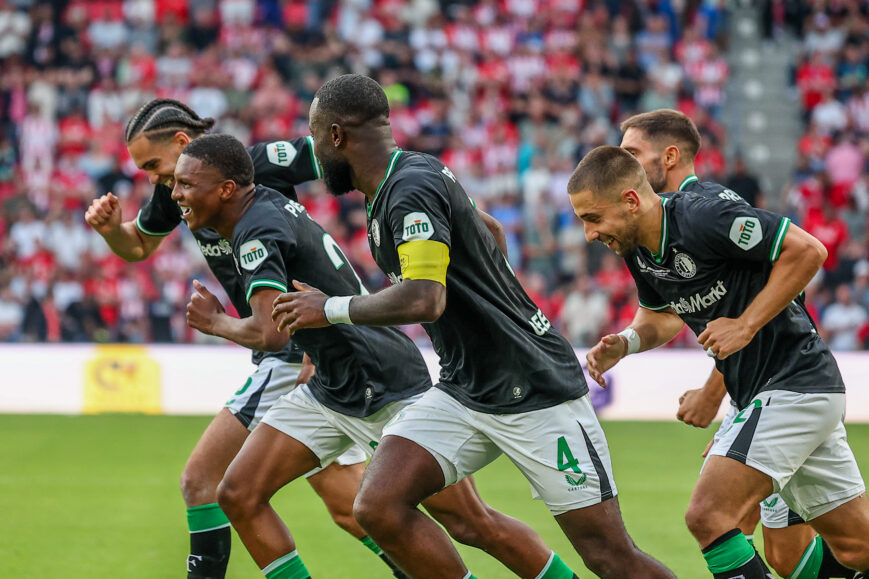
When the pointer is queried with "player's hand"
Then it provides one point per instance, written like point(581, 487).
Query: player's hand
point(724, 336)
point(104, 214)
point(604, 355)
point(696, 408)
point(708, 448)
point(300, 309)
point(203, 309)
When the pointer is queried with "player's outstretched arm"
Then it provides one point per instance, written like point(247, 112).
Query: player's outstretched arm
point(800, 259)
point(698, 407)
point(257, 332)
point(648, 330)
point(410, 302)
point(123, 238)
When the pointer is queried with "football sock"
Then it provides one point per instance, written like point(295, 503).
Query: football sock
point(210, 541)
point(369, 542)
point(289, 566)
point(555, 568)
point(750, 539)
point(829, 566)
point(730, 556)
point(810, 562)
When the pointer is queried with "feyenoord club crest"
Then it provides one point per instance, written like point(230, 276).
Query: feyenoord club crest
point(684, 265)
point(375, 232)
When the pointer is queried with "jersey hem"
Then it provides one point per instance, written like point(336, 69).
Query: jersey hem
point(147, 232)
point(779, 239)
point(264, 283)
point(316, 163)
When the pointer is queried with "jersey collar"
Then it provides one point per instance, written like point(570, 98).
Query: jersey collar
point(665, 232)
point(392, 160)
point(687, 181)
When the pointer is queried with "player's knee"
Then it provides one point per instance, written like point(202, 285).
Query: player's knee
point(234, 499)
point(601, 562)
point(697, 518)
point(375, 514)
point(345, 520)
point(196, 488)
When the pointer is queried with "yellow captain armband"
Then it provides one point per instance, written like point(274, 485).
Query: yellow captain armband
point(424, 259)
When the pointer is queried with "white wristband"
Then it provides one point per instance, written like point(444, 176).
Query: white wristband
point(633, 339)
point(337, 309)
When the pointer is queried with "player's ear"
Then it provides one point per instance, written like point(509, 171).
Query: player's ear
point(338, 135)
point(181, 139)
point(672, 155)
point(631, 199)
point(227, 188)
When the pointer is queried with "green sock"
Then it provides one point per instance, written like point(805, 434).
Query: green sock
point(289, 566)
point(750, 539)
point(210, 541)
point(810, 562)
point(728, 552)
point(555, 568)
point(369, 542)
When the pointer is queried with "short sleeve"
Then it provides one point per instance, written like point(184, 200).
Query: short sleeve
point(733, 230)
point(260, 255)
point(646, 294)
point(419, 210)
point(281, 165)
point(160, 215)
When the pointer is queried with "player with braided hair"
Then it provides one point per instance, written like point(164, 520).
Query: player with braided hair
point(155, 137)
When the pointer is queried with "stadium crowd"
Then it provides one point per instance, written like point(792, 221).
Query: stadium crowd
point(509, 93)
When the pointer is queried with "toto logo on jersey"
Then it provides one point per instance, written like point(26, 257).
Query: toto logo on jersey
point(281, 153)
point(684, 265)
point(700, 301)
point(746, 232)
point(251, 254)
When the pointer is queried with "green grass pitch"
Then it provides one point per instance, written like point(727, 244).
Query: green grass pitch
point(98, 496)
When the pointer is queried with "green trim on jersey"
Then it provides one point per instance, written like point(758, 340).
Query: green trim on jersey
point(665, 237)
point(392, 160)
point(687, 181)
point(314, 161)
point(141, 228)
point(265, 283)
point(654, 308)
point(779, 239)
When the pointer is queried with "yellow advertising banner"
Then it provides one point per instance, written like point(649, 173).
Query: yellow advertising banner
point(122, 378)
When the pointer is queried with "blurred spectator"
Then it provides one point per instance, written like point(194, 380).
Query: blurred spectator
point(745, 184)
point(584, 313)
point(842, 320)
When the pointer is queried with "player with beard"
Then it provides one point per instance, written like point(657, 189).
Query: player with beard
point(665, 142)
point(509, 382)
point(733, 273)
point(155, 137)
point(365, 376)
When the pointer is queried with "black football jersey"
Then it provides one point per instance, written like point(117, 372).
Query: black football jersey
point(360, 369)
point(279, 165)
point(710, 189)
point(498, 352)
point(715, 256)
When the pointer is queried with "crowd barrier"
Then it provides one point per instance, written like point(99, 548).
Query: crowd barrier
point(182, 379)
